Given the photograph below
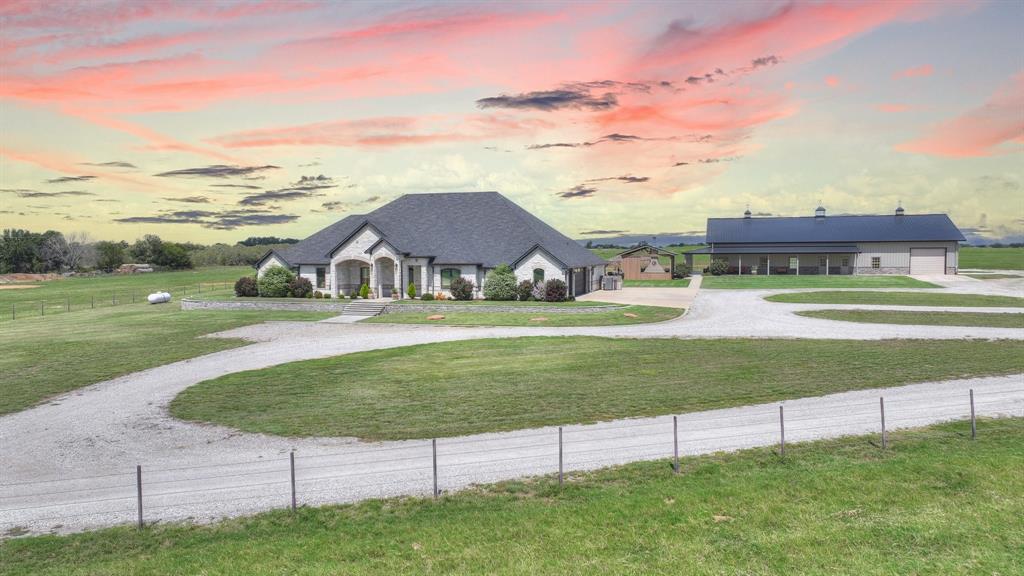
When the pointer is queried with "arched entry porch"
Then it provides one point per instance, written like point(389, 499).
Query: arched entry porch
point(350, 275)
point(385, 273)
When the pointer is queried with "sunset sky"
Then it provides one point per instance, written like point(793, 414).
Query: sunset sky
point(214, 121)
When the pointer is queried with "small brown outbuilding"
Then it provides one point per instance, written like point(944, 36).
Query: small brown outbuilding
point(644, 263)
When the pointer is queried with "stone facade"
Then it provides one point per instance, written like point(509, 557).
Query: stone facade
point(869, 271)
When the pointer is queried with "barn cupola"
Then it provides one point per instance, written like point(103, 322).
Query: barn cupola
point(746, 213)
point(899, 209)
point(819, 212)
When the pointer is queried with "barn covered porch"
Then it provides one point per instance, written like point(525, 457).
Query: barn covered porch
point(771, 260)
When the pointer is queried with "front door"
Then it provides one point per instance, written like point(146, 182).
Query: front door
point(414, 274)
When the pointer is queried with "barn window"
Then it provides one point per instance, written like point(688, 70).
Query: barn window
point(876, 262)
point(321, 277)
point(538, 275)
point(449, 274)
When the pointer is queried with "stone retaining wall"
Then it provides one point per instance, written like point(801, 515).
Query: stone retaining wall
point(299, 304)
point(393, 308)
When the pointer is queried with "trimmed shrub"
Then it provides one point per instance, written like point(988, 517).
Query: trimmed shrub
point(524, 291)
point(500, 283)
point(364, 291)
point(718, 267)
point(275, 282)
point(317, 295)
point(680, 271)
point(411, 290)
point(327, 296)
point(461, 289)
point(538, 291)
point(300, 287)
point(245, 287)
point(555, 290)
point(427, 296)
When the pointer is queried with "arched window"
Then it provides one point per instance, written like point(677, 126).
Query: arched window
point(449, 274)
point(538, 275)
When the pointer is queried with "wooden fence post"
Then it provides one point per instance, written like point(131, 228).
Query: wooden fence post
point(782, 433)
point(675, 444)
point(974, 426)
point(881, 407)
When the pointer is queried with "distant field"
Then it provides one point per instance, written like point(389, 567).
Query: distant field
point(899, 299)
point(992, 258)
point(108, 290)
point(933, 503)
point(736, 282)
point(42, 357)
point(992, 320)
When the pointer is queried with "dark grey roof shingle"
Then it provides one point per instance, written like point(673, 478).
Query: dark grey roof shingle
point(886, 228)
point(482, 228)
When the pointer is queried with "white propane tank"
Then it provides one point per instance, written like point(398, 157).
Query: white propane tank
point(159, 297)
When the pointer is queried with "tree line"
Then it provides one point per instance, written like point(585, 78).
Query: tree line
point(24, 251)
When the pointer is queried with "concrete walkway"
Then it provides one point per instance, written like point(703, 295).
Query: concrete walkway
point(649, 296)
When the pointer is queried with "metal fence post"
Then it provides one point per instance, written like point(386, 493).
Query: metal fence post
point(138, 485)
point(881, 407)
point(113, 298)
point(675, 444)
point(433, 446)
point(560, 456)
point(42, 312)
point(200, 285)
point(133, 296)
point(293, 479)
point(782, 433)
point(93, 297)
point(67, 302)
point(14, 313)
point(974, 427)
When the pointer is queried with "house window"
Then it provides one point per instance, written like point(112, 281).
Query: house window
point(538, 275)
point(794, 262)
point(321, 277)
point(846, 261)
point(364, 275)
point(876, 262)
point(449, 274)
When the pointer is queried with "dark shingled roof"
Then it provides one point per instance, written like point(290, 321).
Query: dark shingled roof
point(888, 228)
point(483, 228)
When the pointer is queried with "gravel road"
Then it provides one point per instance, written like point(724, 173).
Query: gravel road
point(100, 432)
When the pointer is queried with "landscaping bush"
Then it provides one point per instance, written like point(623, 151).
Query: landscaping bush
point(411, 291)
point(275, 282)
point(680, 271)
point(245, 287)
point(364, 291)
point(461, 289)
point(525, 290)
point(427, 296)
point(500, 283)
point(300, 287)
point(327, 296)
point(718, 267)
point(318, 295)
point(538, 291)
point(555, 290)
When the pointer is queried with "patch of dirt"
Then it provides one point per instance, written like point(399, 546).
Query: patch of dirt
point(435, 317)
point(539, 319)
point(12, 278)
point(17, 286)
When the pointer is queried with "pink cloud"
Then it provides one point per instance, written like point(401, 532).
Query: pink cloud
point(892, 108)
point(832, 81)
point(918, 72)
point(981, 131)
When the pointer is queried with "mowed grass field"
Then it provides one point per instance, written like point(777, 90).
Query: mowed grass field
point(934, 502)
point(479, 316)
point(455, 388)
point(112, 289)
point(992, 320)
point(747, 282)
point(42, 357)
point(899, 299)
point(991, 258)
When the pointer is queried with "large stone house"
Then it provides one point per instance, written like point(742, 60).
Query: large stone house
point(429, 240)
point(877, 244)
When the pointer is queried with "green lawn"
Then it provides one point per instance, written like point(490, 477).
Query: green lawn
point(42, 357)
point(935, 502)
point(991, 258)
point(1011, 320)
point(82, 293)
point(899, 299)
point(618, 316)
point(454, 388)
point(734, 282)
point(674, 283)
point(993, 276)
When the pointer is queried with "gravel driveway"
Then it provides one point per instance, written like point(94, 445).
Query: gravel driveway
point(103, 430)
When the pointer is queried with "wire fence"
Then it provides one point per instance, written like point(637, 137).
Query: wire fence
point(143, 494)
point(49, 306)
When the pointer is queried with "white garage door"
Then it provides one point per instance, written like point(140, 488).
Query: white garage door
point(927, 260)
